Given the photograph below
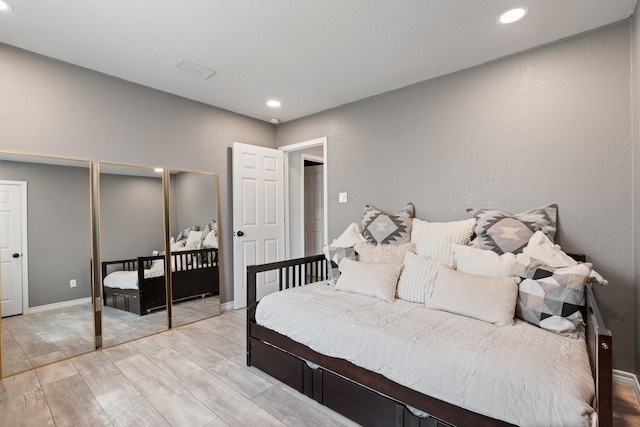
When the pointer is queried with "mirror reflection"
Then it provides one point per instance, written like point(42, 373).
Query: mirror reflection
point(132, 230)
point(193, 213)
point(45, 260)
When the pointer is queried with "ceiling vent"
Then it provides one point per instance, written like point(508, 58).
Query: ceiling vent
point(195, 69)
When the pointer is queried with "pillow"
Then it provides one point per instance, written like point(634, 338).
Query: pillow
point(503, 232)
point(544, 250)
point(552, 297)
point(184, 234)
point(434, 239)
point(383, 253)
point(378, 227)
point(373, 280)
point(483, 262)
point(336, 257)
point(349, 237)
point(194, 237)
point(210, 240)
point(417, 277)
point(490, 299)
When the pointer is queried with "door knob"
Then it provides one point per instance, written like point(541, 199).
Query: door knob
point(16, 255)
point(240, 233)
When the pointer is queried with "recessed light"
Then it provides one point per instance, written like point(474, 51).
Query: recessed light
point(5, 7)
point(513, 15)
point(274, 103)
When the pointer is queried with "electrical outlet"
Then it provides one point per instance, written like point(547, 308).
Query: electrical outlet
point(72, 283)
point(342, 197)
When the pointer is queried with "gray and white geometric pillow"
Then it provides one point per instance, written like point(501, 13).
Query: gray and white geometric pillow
point(503, 232)
point(336, 256)
point(379, 227)
point(552, 297)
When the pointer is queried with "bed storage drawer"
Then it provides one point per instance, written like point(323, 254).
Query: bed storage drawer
point(122, 302)
point(281, 365)
point(363, 406)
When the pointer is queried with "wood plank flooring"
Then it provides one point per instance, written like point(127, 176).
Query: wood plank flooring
point(37, 339)
point(179, 378)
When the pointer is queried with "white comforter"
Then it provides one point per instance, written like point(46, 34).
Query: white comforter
point(520, 374)
point(129, 279)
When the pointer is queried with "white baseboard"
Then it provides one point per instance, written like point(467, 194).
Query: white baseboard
point(627, 379)
point(57, 305)
point(226, 306)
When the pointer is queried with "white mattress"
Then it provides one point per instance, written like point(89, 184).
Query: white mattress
point(520, 374)
point(129, 279)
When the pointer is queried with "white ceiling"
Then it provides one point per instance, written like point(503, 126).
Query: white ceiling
point(310, 54)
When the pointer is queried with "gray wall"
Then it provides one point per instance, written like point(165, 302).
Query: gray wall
point(58, 227)
point(551, 125)
point(195, 200)
point(131, 216)
point(635, 120)
point(49, 107)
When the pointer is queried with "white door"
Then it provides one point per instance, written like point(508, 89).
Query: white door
point(11, 256)
point(258, 216)
point(313, 209)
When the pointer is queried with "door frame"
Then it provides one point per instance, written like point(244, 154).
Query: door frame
point(24, 242)
point(322, 141)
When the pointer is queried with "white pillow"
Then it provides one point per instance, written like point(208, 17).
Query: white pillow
point(370, 279)
point(486, 298)
point(351, 236)
point(194, 236)
point(434, 239)
point(210, 240)
point(483, 262)
point(417, 277)
point(543, 249)
point(383, 252)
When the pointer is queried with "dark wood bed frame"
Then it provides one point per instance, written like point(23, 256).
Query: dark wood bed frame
point(369, 398)
point(189, 280)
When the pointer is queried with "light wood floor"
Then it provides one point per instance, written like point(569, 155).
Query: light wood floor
point(37, 339)
point(177, 378)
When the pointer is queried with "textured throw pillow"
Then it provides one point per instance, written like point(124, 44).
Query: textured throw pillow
point(351, 236)
point(417, 277)
point(490, 299)
point(373, 280)
point(552, 297)
point(379, 227)
point(503, 232)
point(483, 262)
point(336, 257)
point(383, 253)
point(434, 239)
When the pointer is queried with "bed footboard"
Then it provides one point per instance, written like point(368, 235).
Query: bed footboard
point(600, 348)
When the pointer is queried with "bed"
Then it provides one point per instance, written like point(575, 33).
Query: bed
point(137, 285)
point(373, 399)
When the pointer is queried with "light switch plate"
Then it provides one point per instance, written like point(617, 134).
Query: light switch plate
point(342, 197)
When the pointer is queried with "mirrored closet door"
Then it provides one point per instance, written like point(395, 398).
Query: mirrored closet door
point(45, 260)
point(193, 219)
point(132, 247)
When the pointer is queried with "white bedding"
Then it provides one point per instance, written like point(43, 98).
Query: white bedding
point(520, 374)
point(129, 279)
